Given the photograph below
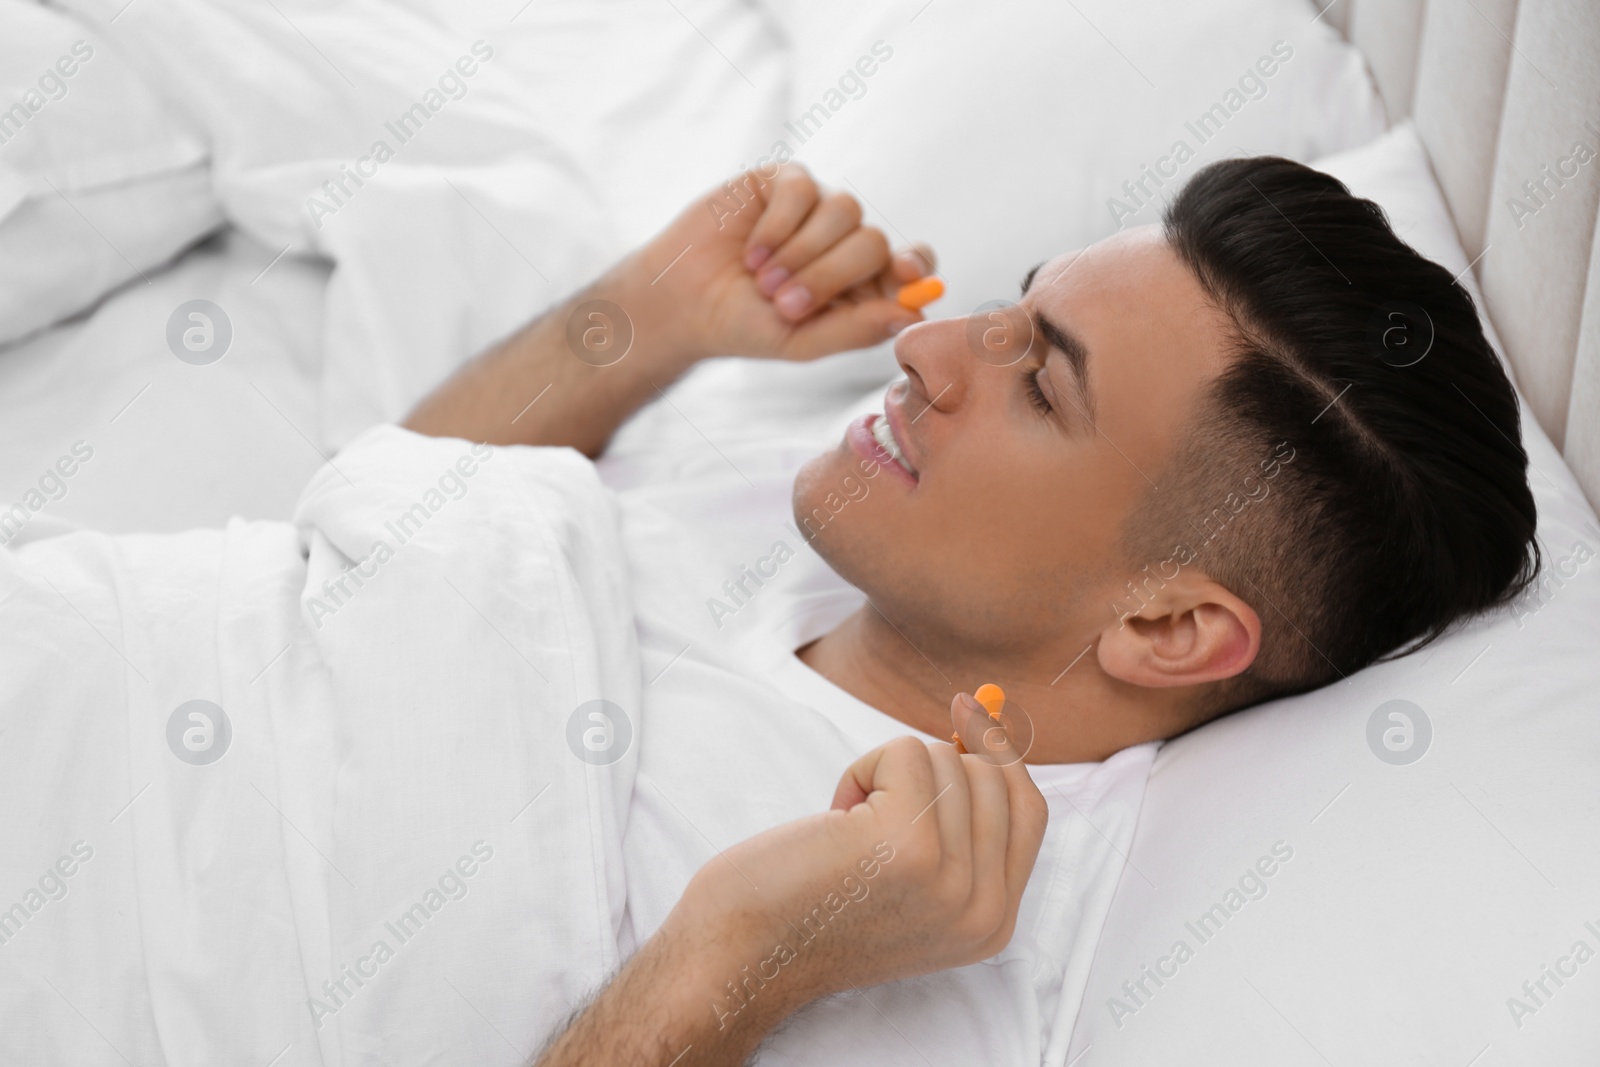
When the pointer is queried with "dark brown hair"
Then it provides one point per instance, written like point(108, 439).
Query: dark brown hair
point(1406, 506)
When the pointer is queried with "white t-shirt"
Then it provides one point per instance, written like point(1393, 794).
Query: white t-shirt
point(737, 735)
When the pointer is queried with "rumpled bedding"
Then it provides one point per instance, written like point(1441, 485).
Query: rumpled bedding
point(392, 791)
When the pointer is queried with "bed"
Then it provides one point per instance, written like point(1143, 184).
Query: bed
point(1414, 910)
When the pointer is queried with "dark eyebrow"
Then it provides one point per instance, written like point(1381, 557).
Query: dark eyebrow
point(1027, 279)
point(1077, 356)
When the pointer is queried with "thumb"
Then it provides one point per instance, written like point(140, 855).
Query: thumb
point(844, 326)
point(1002, 738)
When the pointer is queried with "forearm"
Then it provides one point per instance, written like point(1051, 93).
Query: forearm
point(574, 374)
point(571, 376)
point(669, 1007)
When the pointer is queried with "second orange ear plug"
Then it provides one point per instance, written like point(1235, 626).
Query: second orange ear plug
point(993, 699)
point(918, 294)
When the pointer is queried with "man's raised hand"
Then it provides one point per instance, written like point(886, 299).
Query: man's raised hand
point(771, 265)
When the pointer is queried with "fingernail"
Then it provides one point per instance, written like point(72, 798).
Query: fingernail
point(756, 256)
point(968, 703)
point(896, 325)
point(794, 300)
point(769, 280)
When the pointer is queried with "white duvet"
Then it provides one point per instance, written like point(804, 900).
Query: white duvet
point(323, 793)
point(381, 758)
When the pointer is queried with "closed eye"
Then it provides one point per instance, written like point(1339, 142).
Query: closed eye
point(1035, 394)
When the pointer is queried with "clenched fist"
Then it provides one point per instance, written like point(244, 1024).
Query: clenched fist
point(918, 866)
point(774, 266)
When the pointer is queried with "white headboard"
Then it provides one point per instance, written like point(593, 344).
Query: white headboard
point(1501, 90)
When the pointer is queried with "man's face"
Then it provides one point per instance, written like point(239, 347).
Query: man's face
point(1003, 541)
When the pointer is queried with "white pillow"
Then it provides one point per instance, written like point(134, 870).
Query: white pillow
point(1406, 905)
point(1000, 132)
point(98, 183)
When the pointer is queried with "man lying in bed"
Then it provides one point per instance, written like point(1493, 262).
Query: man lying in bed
point(1235, 457)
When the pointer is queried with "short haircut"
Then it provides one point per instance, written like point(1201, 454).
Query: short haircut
point(1405, 506)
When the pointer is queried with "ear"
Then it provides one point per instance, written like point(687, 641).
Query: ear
point(1190, 633)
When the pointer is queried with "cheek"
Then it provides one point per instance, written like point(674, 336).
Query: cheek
point(1044, 527)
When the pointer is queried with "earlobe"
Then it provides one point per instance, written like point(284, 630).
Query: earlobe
point(1205, 636)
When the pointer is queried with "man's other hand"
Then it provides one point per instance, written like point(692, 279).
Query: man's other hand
point(919, 866)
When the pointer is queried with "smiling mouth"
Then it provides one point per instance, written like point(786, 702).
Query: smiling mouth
point(884, 435)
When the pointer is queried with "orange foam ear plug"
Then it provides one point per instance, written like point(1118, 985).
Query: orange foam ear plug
point(920, 293)
point(992, 697)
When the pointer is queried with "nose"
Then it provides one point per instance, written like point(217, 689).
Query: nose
point(944, 358)
point(935, 359)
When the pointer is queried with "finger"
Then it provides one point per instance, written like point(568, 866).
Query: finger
point(970, 721)
point(900, 767)
point(855, 785)
point(950, 809)
point(912, 263)
point(846, 326)
point(830, 220)
point(861, 255)
point(1028, 813)
point(1028, 810)
point(790, 196)
point(907, 265)
point(867, 290)
point(991, 826)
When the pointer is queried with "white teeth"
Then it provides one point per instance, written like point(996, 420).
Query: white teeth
point(885, 437)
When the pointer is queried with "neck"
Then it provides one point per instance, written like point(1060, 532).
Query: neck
point(1077, 714)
